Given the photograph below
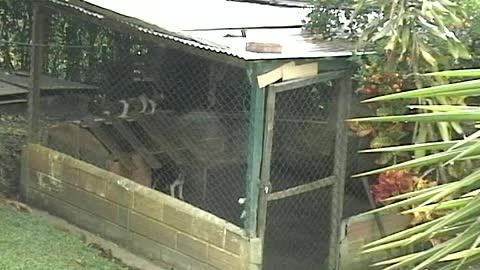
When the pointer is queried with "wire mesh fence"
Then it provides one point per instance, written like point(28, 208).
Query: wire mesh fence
point(179, 123)
point(167, 119)
point(302, 176)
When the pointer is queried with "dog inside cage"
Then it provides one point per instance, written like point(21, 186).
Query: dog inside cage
point(170, 120)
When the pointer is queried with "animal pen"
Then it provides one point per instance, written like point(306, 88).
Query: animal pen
point(188, 152)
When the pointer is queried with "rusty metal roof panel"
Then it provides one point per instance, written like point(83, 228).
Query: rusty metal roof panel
point(206, 29)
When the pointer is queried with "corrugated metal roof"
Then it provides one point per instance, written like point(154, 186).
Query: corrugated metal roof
point(7, 89)
point(180, 15)
point(203, 24)
point(295, 43)
point(12, 84)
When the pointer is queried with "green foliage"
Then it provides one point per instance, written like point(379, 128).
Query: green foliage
point(77, 49)
point(419, 32)
point(453, 229)
point(328, 17)
point(15, 26)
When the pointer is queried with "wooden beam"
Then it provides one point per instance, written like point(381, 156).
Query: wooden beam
point(298, 190)
point(13, 101)
point(298, 83)
point(38, 35)
point(341, 148)
point(266, 162)
point(255, 148)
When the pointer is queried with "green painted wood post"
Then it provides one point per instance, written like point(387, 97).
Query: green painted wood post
point(255, 147)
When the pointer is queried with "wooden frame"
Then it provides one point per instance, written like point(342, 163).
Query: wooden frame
point(334, 182)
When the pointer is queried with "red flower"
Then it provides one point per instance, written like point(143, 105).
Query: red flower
point(392, 183)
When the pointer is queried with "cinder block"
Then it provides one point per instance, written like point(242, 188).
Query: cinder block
point(177, 219)
point(45, 183)
point(123, 216)
point(146, 247)
point(91, 183)
point(223, 260)
point(119, 193)
point(233, 242)
point(153, 230)
point(208, 231)
point(38, 199)
point(68, 212)
point(80, 198)
point(193, 247)
point(69, 175)
point(117, 234)
point(148, 205)
point(203, 266)
point(38, 160)
point(93, 204)
point(177, 260)
point(89, 222)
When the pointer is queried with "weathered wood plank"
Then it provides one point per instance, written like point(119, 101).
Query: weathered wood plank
point(341, 146)
point(255, 146)
point(298, 190)
point(38, 35)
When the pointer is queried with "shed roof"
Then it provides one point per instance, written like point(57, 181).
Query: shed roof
point(202, 24)
point(285, 3)
point(17, 84)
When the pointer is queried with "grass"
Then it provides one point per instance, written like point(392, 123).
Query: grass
point(27, 243)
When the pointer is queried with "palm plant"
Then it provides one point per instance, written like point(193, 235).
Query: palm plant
point(454, 207)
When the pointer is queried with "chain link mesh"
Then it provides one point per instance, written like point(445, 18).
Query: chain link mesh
point(298, 232)
point(187, 119)
point(167, 119)
point(303, 153)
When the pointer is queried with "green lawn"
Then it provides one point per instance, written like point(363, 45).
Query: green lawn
point(26, 243)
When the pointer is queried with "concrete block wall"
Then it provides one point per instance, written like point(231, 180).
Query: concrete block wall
point(360, 230)
point(165, 230)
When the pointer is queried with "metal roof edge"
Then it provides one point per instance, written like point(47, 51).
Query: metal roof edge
point(277, 3)
point(145, 27)
point(182, 37)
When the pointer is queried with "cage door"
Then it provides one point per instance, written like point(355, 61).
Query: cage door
point(303, 171)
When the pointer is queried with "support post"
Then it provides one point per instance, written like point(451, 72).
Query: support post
point(255, 147)
point(38, 36)
point(341, 148)
point(36, 63)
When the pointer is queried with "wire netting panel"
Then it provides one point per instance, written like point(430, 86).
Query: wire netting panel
point(298, 232)
point(303, 158)
point(304, 135)
point(168, 119)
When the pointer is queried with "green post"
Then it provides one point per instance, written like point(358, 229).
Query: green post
point(255, 147)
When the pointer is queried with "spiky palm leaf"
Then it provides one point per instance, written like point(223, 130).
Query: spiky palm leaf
point(458, 201)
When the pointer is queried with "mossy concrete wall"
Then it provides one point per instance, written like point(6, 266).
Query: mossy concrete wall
point(149, 223)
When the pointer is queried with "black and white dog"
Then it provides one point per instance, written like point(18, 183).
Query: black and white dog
point(169, 177)
point(139, 97)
